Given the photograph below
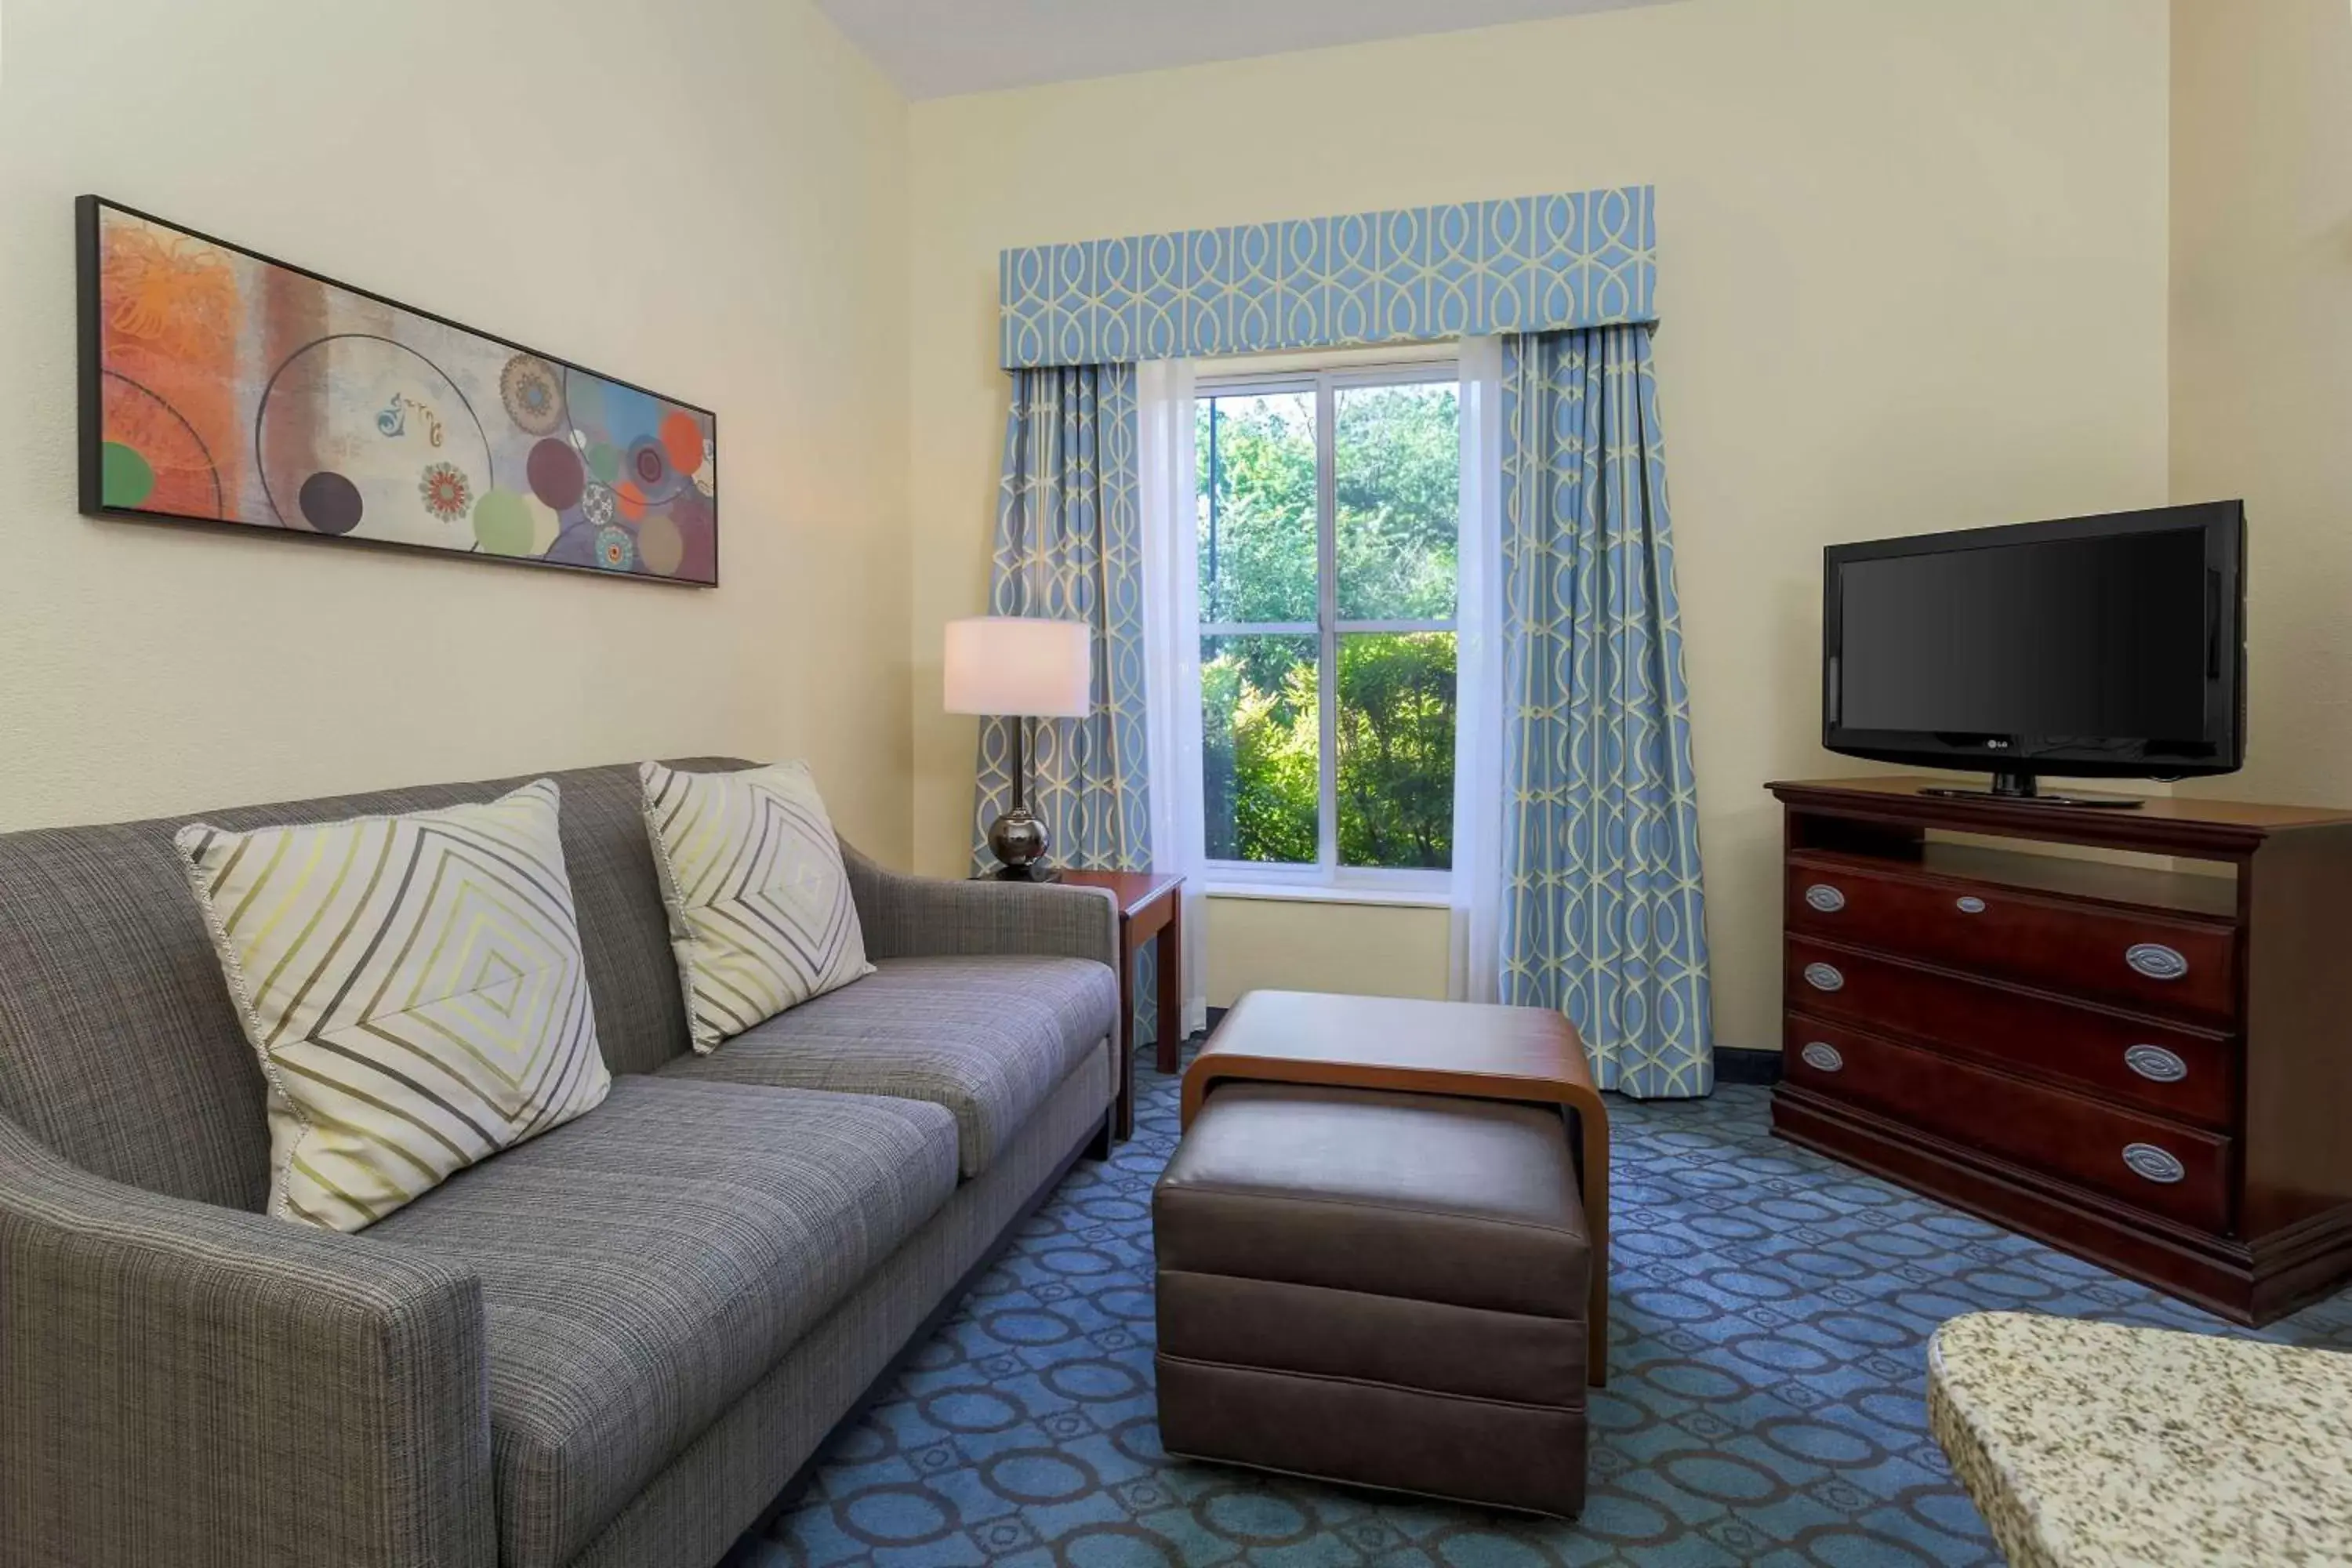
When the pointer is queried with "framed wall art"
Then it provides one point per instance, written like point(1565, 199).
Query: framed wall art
point(221, 386)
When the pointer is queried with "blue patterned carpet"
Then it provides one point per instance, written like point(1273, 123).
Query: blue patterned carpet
point(1765, 1405)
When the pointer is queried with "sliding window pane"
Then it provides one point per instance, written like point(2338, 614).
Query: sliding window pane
point(1261, 745)
point(1397, 479)
point(1396, 750)
point(1256, 480)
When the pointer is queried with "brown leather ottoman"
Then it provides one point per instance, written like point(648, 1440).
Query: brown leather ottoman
point(1382, 1289)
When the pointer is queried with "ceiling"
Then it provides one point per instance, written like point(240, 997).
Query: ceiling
point(934, 48)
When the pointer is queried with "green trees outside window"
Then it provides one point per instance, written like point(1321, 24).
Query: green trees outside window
point(1368, 594)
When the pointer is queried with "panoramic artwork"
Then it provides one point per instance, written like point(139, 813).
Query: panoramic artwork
point(220, 387)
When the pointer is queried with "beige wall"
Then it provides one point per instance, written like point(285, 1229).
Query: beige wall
point(1912, 275)
point(2262, 358)
point(708, 197)
point(1364, 950)
point(1915, 274)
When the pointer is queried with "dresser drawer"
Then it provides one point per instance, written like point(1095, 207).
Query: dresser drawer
point(2174, 1070)
point(2151, 959)
point(2153, 1164)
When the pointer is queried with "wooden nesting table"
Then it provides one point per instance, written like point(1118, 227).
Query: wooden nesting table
point(1463, 1048)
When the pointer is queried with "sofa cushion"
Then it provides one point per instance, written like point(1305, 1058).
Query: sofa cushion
point(644, 1266)
point(413, 985)
point(988, 1037)
point(760, 912)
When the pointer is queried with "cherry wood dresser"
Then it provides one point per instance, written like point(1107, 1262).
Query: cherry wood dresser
point(2150, 1069)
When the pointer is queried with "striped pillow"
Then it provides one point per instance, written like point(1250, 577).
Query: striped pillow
point(413, 986)
point(759, 912)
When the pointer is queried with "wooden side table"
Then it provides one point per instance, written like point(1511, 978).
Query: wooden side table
point(1148, 903)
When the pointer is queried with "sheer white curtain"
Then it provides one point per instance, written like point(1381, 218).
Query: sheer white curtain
point(1172, 591)
point(1476, 895)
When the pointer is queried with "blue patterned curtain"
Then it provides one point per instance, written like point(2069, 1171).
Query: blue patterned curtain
point(1604, 914)
point(1069, 547)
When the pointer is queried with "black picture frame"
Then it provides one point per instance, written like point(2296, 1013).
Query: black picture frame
point(91, 372)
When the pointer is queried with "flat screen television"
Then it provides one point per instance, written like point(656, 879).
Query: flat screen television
point(2108, 647)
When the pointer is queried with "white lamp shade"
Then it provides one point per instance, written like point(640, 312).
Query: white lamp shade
point(1016, 667)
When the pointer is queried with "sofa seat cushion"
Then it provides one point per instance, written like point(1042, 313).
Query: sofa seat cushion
point(644, 1266)
point(988, 1037)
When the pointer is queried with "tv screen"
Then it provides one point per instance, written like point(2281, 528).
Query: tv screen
point(2095, 646)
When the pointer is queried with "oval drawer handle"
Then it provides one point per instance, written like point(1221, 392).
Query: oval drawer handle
point(1824, 898)
point(2156, 1064)
point(2156, 1165)
point(1970, 905)
point(1822, 1056)
point(2156, 961)
point(1822, 977)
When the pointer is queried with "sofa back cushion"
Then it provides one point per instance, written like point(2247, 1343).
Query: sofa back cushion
point(119, 1046)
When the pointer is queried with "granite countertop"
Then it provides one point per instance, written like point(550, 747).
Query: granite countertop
point(2086, 1445)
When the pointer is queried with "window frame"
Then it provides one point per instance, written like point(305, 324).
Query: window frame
point(1326, 381)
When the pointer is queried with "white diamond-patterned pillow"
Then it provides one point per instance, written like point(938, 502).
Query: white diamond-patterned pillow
point(760, 912)
point(413, 986)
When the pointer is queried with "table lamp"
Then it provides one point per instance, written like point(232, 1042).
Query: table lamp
point(1017, 667)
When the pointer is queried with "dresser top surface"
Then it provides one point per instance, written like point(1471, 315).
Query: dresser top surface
point(2172, 808)
point(2180, 824)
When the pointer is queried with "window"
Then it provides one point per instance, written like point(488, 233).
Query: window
point(1329, 518)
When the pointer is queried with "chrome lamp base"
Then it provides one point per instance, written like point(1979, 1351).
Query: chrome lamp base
point(1019, 842)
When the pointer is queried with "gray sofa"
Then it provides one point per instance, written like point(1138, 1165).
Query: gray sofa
point(612, 1344)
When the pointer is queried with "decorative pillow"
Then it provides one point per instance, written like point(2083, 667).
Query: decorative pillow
point(414, 988)
point(760, 912)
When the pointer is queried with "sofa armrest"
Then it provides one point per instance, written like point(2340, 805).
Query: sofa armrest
point(917, 917)
point(190, 1385)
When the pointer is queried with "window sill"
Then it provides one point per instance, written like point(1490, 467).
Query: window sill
point(1317, 893)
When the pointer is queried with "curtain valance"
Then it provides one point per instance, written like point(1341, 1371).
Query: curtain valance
point(1530, 264)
